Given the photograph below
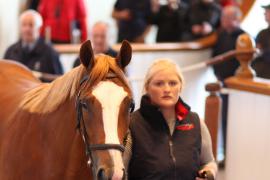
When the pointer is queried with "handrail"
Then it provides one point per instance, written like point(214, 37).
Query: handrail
point(202, 43)
point(212, 112)
point(256, 85)
point(215, 60)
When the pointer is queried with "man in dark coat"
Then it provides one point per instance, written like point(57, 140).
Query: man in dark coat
point(170, 20)
point(262, 63)
point(226, 40)
point(204, 18)
point(132, 19)
point(31, 50)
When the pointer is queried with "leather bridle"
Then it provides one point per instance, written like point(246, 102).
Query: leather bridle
point(80, 106)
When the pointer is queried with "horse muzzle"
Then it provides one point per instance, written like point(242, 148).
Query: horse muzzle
point(111, 174)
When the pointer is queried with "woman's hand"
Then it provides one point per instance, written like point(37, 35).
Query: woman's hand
point(205, 175)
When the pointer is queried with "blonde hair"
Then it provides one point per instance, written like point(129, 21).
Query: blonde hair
point(160, 65)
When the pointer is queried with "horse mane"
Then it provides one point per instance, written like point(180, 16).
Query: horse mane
point(48, 97)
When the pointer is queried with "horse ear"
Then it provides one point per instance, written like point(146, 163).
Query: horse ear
point(87, 55)
point(124, 55)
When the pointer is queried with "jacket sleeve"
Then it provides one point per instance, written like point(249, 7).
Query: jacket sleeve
point(57, 66)
point(52, 62)
point(7, 54)
point(81, 18)
point(207, 158)
point(43, 12)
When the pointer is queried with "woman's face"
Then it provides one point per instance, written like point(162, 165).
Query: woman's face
point(164, 89)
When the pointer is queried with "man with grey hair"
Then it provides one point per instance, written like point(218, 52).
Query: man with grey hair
point(99, 36)
point(31, 50)
point(227, 35)
point(226, 40)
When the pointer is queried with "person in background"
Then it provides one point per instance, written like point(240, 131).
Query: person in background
point(226, 41)
point(100, 41)
point(132, 18)
point(166, 139)
point(170, 20)
point(224, 3)
point(203, 18)
point(28, 4)
point(31, 50)
point(64, 20)
point(189, 2)
point(261, 64)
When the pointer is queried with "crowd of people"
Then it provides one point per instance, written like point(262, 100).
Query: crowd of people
point(64, 21)
point(184, 139)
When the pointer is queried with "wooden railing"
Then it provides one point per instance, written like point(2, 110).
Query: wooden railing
point(248, 121)
point(202, 43)
point(245, 80)
point(212, 112)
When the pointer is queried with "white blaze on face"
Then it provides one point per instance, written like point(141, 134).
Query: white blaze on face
point(110, 97)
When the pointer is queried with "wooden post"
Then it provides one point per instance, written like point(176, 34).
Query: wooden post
point(212, 112)
point(245, 42)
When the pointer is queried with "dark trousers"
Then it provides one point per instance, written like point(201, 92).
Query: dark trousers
point(224, 117)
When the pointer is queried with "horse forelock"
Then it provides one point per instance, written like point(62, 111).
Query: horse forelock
point(103, 66)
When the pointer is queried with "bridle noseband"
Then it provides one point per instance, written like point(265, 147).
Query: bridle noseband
point(80, 105)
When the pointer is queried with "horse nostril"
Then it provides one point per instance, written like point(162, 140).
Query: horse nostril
point(101, 174)
point(111, 174)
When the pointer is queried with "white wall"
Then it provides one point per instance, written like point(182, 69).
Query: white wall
point(193, 93)
point(8, 23)
point(255, 21)
point(248, 137)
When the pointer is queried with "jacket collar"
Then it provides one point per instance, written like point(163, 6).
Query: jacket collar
point(181, 109)
point(36, 47)
point(153, 112)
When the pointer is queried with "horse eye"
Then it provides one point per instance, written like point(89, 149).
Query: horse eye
point(83, 104)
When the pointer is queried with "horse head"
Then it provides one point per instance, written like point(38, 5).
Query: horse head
point(104, 102)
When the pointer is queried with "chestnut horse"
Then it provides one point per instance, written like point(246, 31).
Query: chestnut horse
point(38, 135)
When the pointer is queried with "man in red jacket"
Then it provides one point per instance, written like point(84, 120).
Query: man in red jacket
point(61, 18)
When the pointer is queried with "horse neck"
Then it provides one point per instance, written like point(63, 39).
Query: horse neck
point(75, 149)
point(47, 98)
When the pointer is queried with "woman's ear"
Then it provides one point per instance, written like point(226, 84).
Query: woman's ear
point(87, 55)
point(124, 55)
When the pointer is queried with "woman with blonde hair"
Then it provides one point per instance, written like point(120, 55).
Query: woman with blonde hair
point(167, 140)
